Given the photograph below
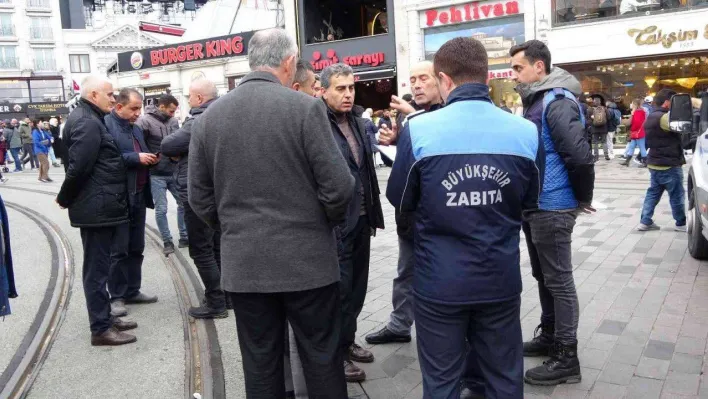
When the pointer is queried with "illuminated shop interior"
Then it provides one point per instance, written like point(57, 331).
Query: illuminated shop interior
point(635, 78)
point(330, 20)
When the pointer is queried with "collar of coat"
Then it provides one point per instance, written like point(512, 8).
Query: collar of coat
point(469, 91)
point(260, 75)
point(93, 108)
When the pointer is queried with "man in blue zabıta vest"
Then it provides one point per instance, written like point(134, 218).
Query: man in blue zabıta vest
point(468, 171)
point(568, 182)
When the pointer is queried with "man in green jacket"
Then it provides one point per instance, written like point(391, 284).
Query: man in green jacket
point(28, 144)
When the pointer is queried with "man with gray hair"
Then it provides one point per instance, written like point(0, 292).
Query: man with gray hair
point(275, 196)
point(364, 214)
point(204, 242)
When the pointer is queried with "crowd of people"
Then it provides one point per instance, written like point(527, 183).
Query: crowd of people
point(30, 141)
point(283, 234)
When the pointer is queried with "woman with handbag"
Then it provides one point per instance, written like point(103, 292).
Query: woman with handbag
point(637, 135)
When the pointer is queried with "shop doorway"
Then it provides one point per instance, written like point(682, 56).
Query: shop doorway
point(375, 94)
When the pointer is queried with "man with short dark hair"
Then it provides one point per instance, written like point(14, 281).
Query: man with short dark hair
point(364, 215)
point(204, 241)
point(568, 175)
point(25, 130)
point(158, 123)
point(665, 160)
point(468, 171)
point(385, 119)
point(127, 260)
point(14, 142)
point(305, 78)
point(96, 172)
point(317, 87)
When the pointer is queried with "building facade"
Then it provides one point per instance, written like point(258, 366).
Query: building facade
point(31, 71)
point(629, 49)
point(358, 33)
point(215, 48)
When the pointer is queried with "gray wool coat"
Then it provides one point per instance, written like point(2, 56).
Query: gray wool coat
point(265, 170)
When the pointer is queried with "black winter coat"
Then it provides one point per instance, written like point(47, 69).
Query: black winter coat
point(664, 147)
point(94, 189)
point(176, 145)
point(366, 174)
point(124, 133)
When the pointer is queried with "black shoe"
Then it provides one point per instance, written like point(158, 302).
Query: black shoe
point(386, 336)
point(562, 368)
point(206, 312)
point(169, 248)
point(183, 243)
point(542, 343)
point(626, 161)
point(229, 304)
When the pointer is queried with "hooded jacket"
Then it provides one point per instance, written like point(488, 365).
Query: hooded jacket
point(568, 169)
point(156, 126)
point(177, 145)
point(468, 172)
point(25, 133)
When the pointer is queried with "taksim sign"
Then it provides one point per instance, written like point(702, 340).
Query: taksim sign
point(373, 59)
point(476, 11)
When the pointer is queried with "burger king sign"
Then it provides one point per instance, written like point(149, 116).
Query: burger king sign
point(136, 60)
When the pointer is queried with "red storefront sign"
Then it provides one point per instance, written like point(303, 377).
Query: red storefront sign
point(501, 74)
point(470, 12)
point(373, 59)
point(164, 29)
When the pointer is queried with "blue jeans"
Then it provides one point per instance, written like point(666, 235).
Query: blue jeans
point(159, 187)
point(670, 180)
point(16, 156)
point(641, 143)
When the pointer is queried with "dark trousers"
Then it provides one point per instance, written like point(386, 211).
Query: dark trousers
point(16, 157)
point(127, 258)
point(315, 317)
point(29, 155)
point(493, 331)
point(548, 237)
point(98, 243)
point(205, 250)
point(354, 253)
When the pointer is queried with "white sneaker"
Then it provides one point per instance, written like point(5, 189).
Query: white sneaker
point(645, 227)
point(4, 180)
point(681, 229)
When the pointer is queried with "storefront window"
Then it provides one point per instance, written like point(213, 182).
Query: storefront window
point(624, 81)
point(14, 91)
point(46, 90)
point(498, 36)
point(576, 11)
point(330, 20)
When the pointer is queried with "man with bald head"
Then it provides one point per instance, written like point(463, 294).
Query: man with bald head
point(204, 242)
point(95, 193)
point(426, 97)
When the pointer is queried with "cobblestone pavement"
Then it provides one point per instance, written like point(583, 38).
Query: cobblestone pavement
point(643, 321)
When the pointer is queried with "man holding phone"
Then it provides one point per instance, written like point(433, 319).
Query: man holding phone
point(126, 260)
point(157, 123)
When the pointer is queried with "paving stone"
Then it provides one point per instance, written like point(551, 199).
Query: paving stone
point(627, 354)
point(589, 376)
point(611, 327)
point(626, 269)
point(685, 363)
point(617, 373)
point(681, 383)
point(665, 333)
point(690, 329)
point(395, 363)
point(602, 341)
point(691, 346)
point(652, 368)
point(659, 350)
point(566, 391)
point(644, 388)
point(603, 390)
point(593, 358)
